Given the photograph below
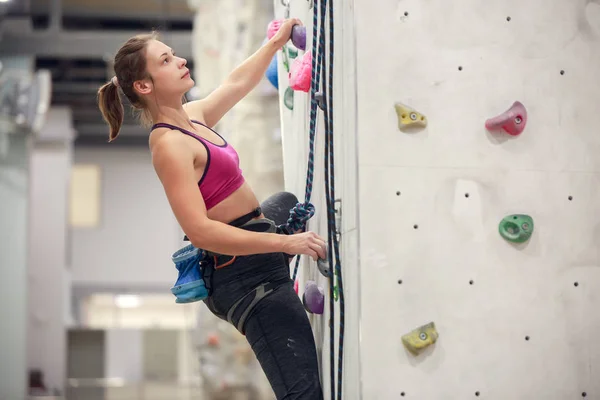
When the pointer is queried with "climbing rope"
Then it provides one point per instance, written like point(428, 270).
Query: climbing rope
point(299, 216)
point(318, 61)
point(336, 279)
point(330, 195)
point(302, 212)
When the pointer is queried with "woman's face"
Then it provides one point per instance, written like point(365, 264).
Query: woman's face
point(170, 76)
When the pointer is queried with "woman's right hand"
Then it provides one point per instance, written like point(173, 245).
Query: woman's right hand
point(308, 243)
point(285, 31)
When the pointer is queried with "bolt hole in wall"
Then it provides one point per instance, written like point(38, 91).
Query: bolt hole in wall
point(477, 394)
point(508, 19)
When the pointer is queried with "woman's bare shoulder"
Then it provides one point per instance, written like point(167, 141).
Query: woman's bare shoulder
point(167, 145)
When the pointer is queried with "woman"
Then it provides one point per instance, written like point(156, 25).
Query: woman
point(199, 170)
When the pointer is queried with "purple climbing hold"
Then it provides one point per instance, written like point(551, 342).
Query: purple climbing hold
point(299, 37)
point(313, 298)
point(513, 120)
point(298, 33)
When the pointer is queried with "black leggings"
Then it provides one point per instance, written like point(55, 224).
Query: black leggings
point(277, 327)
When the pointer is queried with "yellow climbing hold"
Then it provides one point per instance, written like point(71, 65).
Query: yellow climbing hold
point(408, 117)
point(420, 338)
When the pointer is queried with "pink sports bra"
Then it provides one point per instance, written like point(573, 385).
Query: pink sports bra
point(222, 175)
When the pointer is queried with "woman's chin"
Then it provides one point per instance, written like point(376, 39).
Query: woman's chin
point(189, 83)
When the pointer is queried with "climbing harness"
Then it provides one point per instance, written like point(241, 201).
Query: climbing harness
point(259, 293)
point(244, 306)
point(196, 268)
point(194, 264)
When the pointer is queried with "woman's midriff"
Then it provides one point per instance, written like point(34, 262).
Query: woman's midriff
point(239, 203)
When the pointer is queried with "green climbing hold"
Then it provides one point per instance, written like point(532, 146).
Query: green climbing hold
point(336, 293)
point(288, 98)
point(516, 228)
point(293, 53)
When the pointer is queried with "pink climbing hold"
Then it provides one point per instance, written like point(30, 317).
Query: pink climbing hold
point(296, 286)
point(513, 120)
point(273, 28)
point(300, 73)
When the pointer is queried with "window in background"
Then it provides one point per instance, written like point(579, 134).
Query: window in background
point(84, 196)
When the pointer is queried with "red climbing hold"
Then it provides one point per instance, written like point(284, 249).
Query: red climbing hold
point(513, 120)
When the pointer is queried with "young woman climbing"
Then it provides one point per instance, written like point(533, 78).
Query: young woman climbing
point(199, 170)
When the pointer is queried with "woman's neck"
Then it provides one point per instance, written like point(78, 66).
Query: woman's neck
point(172, 115)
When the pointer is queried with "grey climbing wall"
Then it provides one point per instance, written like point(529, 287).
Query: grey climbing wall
point(515, 321)
point(422, 204)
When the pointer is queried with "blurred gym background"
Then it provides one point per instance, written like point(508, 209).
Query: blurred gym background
point(86, 231)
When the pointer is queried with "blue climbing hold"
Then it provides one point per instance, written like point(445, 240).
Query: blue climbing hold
point(271, 73)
